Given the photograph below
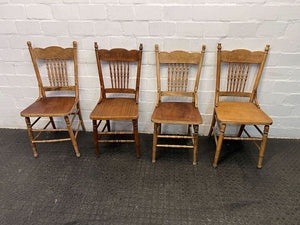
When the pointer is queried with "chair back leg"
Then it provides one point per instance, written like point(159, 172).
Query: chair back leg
point(195, 144)
point(52, 122)
point(213, 122)
point(108, 125)
point(154, 142)
point(241, 130)
point(80, 117)
point(95, 133)
point(136, 137)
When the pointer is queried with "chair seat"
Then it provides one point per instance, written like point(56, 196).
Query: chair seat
point(50, 107)
point(116, 109)
point(176, 113)
point(241, 113)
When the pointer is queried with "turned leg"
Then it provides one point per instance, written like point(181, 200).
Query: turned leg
point(136, 137)
point(30, 133)
point(154, 142)
point(73, 139)
point(219, 145)
point(263, 146)
point(195, 144)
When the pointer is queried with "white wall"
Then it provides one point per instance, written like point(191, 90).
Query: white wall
point(178, 24)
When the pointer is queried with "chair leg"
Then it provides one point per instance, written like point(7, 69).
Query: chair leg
point(213, 122)
point(154, 142)
point(73, 139)
point(80, 117)
point(30, 133)
point(136, 137)
point(241, 130)
point(52, 122)
point(108, 125)
point(195, 144)
point(263, 146)
point(95, 132)
point(219, 145)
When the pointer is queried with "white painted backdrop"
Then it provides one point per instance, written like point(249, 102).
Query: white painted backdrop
point(178, 24)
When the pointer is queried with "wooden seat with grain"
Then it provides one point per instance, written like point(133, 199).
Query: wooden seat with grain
point(124, 105)
point(56, 61)
point(179, 65)
point(238, 63)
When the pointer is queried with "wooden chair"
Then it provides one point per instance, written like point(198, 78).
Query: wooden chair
point(238, 63)
point(179, 64)
point(120, 67)
point(57, 63)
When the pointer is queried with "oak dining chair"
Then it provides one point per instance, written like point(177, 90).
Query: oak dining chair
point(175, 70)
point(119, 74)
point(237, 78)
point(56, 71)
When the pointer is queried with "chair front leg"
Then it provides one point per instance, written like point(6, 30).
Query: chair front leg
point(136, 137)
point(72, 136)
point(263, 146)
point(31, 137)
point(195, 144)
point(219, 145)
point(154, 142)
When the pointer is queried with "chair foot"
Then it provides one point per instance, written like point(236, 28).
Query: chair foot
point(35, 155)
point(259, 167)
point(153, 161)
point(78, 155)
point(194, 163)
point(215, 165)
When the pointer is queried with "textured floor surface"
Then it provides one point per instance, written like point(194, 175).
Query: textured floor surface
point(117, 188)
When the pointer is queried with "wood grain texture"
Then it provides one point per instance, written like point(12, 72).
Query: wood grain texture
point(50, 106)
point(176, 113)
point(53, 52)
point(180, 56)
point(242, 56)
point(115, 109)
point(241, 113)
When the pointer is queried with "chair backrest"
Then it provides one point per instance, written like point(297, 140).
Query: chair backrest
point(120, 68)
point(56, 68)
point(238, 63)
point(178, 65)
